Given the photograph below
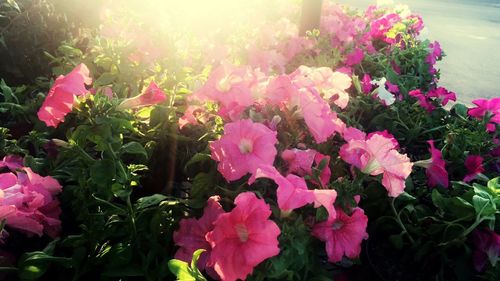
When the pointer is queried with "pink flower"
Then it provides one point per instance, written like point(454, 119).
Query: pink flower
point(229, 86)
point(60, 99)
point(321, 121)
point(191, 234)
point(378, 155)
point(442, 94)
point(474, 165)
point(355, 57)
point(482, 107)
point(13, 162)
point(293, 193)
point(300, 162)
point(366, 84)
point(28, 202)
point(243, 238)
point(152, 95)
point(244, 147)
point(292, 190)
point(422, 100)
point(436, 172)
point(332, 85)
point(344, 235)
point(280, 90)
point(487, 248)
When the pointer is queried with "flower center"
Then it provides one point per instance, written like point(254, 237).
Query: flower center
point(242, 232)
point(371, 167)
point(245, 146)
point(338, 225)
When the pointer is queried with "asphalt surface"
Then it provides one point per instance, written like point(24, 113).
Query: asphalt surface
point(469, 33)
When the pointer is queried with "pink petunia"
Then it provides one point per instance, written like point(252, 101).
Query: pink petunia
point(378, 155)
point(243, 238)
point(28, 202)
point(321, 121)
point(366, 84)
point(292, 192)
point(422, 100)
point(344, 235)
point(151, 96)
point(474, 165)
point(354, 57)
point(13, 162)
point(244, 147)
point(487, 248)
point(482, 107)
point(300, 162)
point(191, 233)
point(331, 85)
point(230, 87)
point(60, 99)
point(443, 95)
point(436, 171)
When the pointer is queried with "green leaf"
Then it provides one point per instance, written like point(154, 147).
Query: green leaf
point(153, 200)
point(105, 79)
point(197, 158)
point(196, 257)
point(460, 110)
point(181, 270)
point(133, 148)
point(121, 191)
point(103, 171)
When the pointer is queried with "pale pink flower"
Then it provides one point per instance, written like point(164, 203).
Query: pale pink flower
point(152, 95)
point(474, 165)
point(60, 99)
point(244, 147)
point(343, 236)
point(482, 107)
point(378, 155)
point(436, 172)
point(331, 85)
point(191, 233)
point(243, 238)
point(280, 91)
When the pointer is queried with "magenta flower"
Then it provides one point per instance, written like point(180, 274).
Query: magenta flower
point(422, 100)
point(191, 234)
point(487, 248)
point(474, 165)
point(436, 171)
point(354, 57)
point(60, 99)
point(366, 84)
point(244, 147)
point(28, 202)
point(482, 107)
point(378, 155)
point(443, 95)
point(13, 162)
point(243, 238)
point(151, 96)
point(343, 236)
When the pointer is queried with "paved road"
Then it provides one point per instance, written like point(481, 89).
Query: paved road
point(469, 33)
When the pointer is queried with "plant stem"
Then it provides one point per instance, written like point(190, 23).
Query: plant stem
point(398, 219)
